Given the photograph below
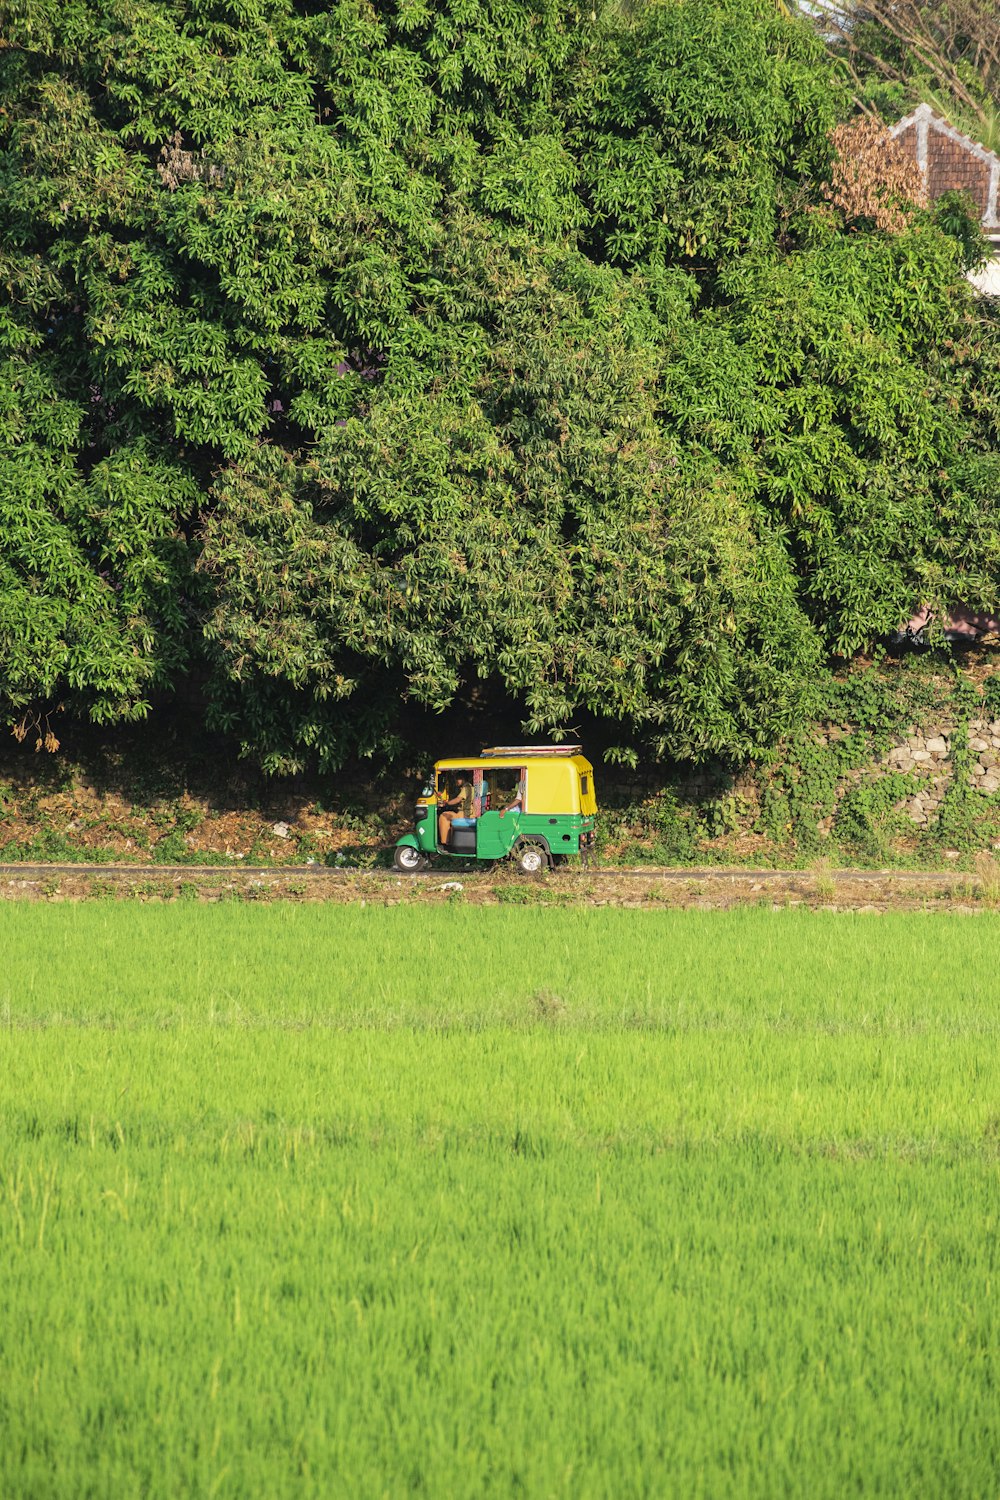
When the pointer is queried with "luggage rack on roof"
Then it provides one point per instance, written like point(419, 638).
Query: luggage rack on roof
point(531, 750)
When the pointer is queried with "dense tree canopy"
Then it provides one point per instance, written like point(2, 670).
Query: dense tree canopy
point(353, 354)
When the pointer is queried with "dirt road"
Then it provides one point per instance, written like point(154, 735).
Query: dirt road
point(710, 887)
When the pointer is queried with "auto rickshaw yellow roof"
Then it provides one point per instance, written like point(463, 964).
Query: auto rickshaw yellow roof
point(514, 755)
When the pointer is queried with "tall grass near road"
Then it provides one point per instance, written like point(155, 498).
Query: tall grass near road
point(352, 1202)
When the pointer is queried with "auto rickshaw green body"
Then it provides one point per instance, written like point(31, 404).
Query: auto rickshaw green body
point(556, 819)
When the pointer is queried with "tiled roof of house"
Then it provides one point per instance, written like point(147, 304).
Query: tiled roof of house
point(949, 160)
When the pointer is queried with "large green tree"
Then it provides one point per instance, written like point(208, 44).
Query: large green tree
point(354, 355)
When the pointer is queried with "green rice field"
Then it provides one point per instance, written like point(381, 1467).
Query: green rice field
point(339, 1201)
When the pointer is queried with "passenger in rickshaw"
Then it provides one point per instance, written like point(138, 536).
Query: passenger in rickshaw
point(457, 808)
point(516, 804)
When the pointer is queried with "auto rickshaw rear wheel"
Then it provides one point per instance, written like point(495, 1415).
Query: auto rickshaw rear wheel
point(407, 859)
point(530, 859)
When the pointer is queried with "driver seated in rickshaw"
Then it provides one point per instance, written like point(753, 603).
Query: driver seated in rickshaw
point(457, 810)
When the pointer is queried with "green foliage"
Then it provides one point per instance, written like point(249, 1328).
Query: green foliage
point(359, 363)
point(966, 819)
point(825, 386)
point(701, 130)
point(539, 527)
point(659, 830)
point(857, 716)
point(956, 213)
point(866, 816)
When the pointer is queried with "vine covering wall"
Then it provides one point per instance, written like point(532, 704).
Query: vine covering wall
point(900, 763)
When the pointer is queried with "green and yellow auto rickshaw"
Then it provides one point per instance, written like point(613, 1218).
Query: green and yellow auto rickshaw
point(534, 805)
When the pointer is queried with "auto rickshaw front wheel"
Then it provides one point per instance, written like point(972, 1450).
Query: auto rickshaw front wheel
point(407, 859)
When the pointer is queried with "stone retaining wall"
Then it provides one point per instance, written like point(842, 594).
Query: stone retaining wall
point(926, 757)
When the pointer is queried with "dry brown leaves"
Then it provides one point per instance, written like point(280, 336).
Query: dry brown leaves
point(873, 176)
